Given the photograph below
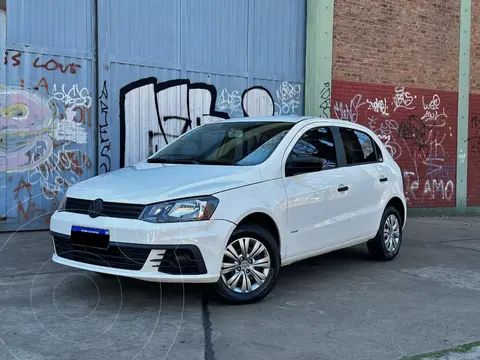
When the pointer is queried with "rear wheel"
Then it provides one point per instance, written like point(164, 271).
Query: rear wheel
point(386, 244)
point(250, 266)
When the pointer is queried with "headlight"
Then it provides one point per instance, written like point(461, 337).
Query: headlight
point(61, 206)
point(194, 209)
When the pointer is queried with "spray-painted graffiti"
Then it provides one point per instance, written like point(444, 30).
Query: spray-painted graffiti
point(349, 111)
point(288, 95)
point(155, 112)
point(74, 96)
point(105, 161)
point(52, 65)
point(416, 135)
point(439, 189)
point(230, 102)
point(27, 208)
point(325, 101)
point(403, 99)
point(235, 102)
point(37, 136)
point(26, 117)
point(432, 115)
point(388, 133)
point(15, 58)
point(461, 156)
point(379, 106)
point(43, 133)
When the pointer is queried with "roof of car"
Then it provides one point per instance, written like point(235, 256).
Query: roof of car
point(285, 118)
point(291, 118)
point(294, 119)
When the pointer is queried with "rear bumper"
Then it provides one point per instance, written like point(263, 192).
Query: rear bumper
point(145, 251)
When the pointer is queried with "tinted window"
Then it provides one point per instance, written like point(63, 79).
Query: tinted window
point(226, 143)
point(359, 147)
point(379, 152)
point(314, 151)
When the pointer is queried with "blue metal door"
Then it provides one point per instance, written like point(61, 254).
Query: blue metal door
point(47, 102)
point(3, 130)
point(168, 66)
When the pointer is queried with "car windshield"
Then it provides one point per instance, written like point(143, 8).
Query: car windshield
point(225, 143)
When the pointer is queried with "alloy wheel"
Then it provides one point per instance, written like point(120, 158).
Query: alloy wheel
point(391, 233)
point(245, 265)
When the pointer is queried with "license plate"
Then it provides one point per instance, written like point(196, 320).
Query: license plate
point(90, 237)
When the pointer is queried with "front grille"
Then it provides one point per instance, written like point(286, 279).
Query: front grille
point(120, 256)
point(110, 209)
point(182, 260)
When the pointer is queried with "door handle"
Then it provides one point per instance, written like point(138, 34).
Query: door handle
point(342, 188)
point(383, 179)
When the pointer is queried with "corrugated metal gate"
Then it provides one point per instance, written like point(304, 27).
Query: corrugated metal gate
point(47, 101)
point(164, 66)
point(3, 131)
point(177, 64)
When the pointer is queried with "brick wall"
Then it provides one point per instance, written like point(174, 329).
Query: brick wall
point(475, 49)
point(395, 70)
point(473, 177)
point(417, 127)
point(473, 180)
point(402, 42)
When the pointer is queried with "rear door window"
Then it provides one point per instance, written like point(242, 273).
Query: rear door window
point(314, 151)
point(359, 147)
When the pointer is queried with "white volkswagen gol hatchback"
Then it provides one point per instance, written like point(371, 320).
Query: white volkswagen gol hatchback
point(231, 202)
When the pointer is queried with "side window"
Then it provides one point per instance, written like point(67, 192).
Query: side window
point(314, 151)
point(379, 152)
point(359, 147)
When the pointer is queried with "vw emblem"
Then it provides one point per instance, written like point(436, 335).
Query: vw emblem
point(95, 208)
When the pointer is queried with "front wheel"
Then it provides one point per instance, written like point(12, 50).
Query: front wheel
point(250, 266)
point(386, 244)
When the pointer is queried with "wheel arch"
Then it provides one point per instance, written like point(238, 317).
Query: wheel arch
point(265, 221)
point(398, 204)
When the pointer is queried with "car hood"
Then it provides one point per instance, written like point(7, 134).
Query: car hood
point(146, 183)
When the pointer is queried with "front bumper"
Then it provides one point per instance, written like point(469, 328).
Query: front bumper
point(145, 251)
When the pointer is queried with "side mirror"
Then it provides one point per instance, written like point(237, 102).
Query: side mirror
point(302, 164)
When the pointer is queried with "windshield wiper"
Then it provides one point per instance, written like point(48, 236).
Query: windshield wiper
point(171, 161)
point(215, 162)
point(197, 161)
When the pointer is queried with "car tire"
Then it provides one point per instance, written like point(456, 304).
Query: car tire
point(259, 239)
point(386, 244)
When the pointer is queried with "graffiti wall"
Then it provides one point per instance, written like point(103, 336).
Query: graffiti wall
point(47, 134)
point(188, 70)
point(417, 126)
point(180, 105)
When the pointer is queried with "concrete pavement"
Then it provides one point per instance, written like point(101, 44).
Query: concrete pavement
point(337, 306)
